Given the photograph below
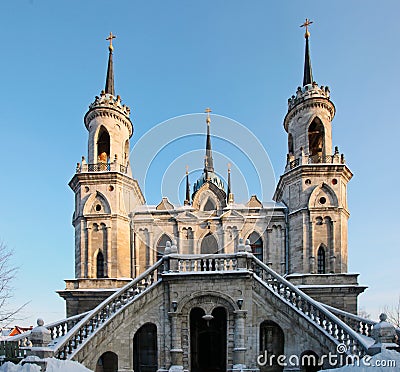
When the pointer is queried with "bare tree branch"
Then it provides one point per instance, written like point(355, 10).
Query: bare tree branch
point(393, 313)
point(7, 275)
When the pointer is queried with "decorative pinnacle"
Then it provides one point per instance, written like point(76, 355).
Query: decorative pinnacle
point(306, 24)
point(207, 111)
point(187, 170)
point(229, 167)
point(110, 38)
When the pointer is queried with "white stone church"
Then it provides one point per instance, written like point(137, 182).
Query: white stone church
point(211, 285)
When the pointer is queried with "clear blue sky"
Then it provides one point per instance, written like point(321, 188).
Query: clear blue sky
point(244, 59)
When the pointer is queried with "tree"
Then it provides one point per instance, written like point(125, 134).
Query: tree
point(363, 313)
point(393, 313)
point(7, 275)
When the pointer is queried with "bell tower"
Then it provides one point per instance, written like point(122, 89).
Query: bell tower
point(105, 194)
point(314, 190)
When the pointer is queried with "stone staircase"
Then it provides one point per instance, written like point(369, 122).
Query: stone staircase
point(341, 328)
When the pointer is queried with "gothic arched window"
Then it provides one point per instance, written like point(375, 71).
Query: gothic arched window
point(100, 265)
point(209, 245)
point(256, 245)
point(162, 242)
point(209, 206)
point(316, 139)
point(321, 260)
point(290, 144)
point(103, 145)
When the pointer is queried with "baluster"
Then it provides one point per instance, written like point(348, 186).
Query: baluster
point(234, 264)
point(216, 264)
point(369, 329)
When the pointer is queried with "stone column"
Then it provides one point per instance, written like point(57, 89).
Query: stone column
point(89, 252)
point(176, 344)
point(108, 270)
point(239, 351)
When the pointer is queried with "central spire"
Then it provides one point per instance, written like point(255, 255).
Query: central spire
point(308, 77)
point(208, 161)
point(110, 69)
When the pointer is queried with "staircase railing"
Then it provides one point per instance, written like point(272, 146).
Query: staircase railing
point(359, 324)
point(15, 347)
point(67, 345)
point(317, 314)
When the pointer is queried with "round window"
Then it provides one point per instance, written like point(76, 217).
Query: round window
point(334, 181)
point(322, 200)
point(98, 207)
point(308, 181)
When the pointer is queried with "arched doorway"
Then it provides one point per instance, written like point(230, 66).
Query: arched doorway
point(108, 362)
point(208, 340)
point(271, 343)
point(145, 356)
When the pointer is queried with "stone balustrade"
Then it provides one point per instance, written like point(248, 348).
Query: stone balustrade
point(303, 159)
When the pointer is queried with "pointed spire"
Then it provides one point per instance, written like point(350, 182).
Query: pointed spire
point(229, 183)
point(110, 69)
point(208, 161)
point(308, 77)
point(187, 200)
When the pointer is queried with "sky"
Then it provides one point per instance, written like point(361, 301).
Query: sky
point(175, 58)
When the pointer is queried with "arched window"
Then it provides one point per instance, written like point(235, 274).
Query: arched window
point(126, 151)
point(256, 245)
point(316, 138)
point(290, 144)
point(100, 265)
point(209, 245)
point(162, 242)
point(209, 206)
point(103, 145)
point(321, 260)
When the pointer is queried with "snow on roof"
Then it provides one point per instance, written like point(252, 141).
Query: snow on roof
point(53, 365)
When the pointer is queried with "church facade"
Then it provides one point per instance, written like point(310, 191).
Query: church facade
point(219, 262)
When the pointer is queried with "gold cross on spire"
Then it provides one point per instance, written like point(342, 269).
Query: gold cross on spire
point(229, 167)
point(110, 38)
point(306, 24)
point(187, 169)
point(207, 111)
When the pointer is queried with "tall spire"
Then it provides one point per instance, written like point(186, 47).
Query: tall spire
point(208, 161)
point(110, 69)
point(229, 183)
point(187, 200)
point(308, 77)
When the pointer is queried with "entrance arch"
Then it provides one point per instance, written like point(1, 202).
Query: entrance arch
point(208, 340)
point(108, 362)
point(272, 343)
point(145, 355)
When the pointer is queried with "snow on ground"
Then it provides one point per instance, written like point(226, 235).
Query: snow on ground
point(53, 365)
point(386, 361)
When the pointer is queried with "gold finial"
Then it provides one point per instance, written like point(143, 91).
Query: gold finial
point(187, 170)
point(229, 167)
point(207, 111)
point(110, 38)
point(306, 24)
